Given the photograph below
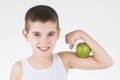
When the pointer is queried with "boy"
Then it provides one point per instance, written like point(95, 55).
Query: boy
point(42, 31)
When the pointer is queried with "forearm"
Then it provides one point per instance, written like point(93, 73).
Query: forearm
point(99, 54)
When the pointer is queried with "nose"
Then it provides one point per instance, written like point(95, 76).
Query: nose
point(44, 40)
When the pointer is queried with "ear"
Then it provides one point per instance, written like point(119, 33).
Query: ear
point(25, 34)
point(58, 32)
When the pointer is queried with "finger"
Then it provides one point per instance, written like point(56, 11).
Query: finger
point(68, 42)
point(66, 39)
point(71, 46)
point(73, 41)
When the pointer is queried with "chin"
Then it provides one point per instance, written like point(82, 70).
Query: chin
point(44, 53)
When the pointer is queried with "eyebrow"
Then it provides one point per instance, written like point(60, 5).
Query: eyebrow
point(35, 32)
point(52, 32)
point(39, 32)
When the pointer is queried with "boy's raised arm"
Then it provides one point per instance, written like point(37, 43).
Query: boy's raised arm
point(100, 58)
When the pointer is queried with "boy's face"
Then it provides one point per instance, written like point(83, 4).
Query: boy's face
point(42, 37)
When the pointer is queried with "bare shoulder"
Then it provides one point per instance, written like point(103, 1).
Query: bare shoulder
point(17, 64)
point(16, 71)
point(66, 56)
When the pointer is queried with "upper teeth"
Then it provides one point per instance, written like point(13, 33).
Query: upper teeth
point(43, 48)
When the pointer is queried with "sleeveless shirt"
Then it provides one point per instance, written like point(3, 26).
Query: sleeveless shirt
point(55, 72)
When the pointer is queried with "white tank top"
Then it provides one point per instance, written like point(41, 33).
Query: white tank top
point(55, 72)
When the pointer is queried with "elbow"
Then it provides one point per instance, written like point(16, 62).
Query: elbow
point(108, 64)
point(111, 63)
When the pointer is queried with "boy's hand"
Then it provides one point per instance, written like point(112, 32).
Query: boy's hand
point(72, 37)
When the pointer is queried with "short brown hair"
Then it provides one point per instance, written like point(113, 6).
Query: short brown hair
point(40, 13)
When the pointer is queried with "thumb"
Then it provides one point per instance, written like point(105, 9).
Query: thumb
point(71, 46)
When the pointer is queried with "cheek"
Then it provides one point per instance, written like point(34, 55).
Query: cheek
point(54, 39)
point(33, 42)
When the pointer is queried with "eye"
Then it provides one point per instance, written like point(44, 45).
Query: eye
point(36, 35)
point(51, 34)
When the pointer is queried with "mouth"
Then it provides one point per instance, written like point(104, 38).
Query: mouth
point(43, 48)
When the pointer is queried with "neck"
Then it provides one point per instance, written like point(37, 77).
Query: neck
point(39, 58)
point(41, 62)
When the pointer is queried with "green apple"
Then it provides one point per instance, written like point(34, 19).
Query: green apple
point(82, 50)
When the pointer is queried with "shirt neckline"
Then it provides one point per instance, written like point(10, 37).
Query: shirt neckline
point(46, 69)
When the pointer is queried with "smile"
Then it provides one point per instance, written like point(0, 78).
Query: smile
point(43, 48)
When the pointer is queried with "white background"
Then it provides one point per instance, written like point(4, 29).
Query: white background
point(99, 18)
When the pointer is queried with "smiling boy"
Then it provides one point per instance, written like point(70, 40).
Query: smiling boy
point(42, 31)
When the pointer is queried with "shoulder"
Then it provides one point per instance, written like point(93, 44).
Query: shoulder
point(66, 57)
point(16, 71)
point(66, 54)
point(17, 64)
